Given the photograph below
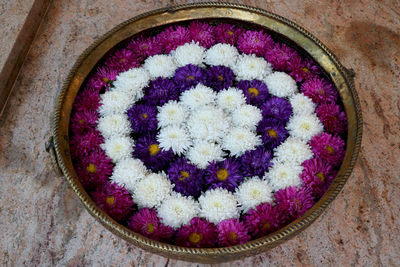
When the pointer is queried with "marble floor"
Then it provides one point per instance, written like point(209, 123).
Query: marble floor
point(43, 223)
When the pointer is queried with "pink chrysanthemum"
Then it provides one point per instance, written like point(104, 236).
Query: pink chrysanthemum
point(253, 42)
point(123, 60)
point(199, 234)
point(319, 90)
point(174, 36)
point(87, 100)
point(102, 78)
point(317, 175)
point(147, 223)
point(281, 56)
point(262, 220)
point(114, 200)
point(203, 33)
point(146, 46)
point(328, 147)
point(333, 118)
point(232, 232)
point(83, 121)
point(227, 33)
point(82, 145)
point(294, 201)
point(93, 170)
point(302, 69)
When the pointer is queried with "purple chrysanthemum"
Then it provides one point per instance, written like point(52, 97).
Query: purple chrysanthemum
point(328, 147)
point(147, 149)
point(83, 121)
point(256, 162)
point(82, 145)
point(189, 76)
point(203, 33)
point(319, 90)
point(281, 56)
point(272, 131)
point(199, 234)
point(87, 100)
point(174, 36)
point(232, 232)
point(302, 69)
point(186, 177)
point(143, 118)
point(228, 33)
point(262, 220)
point(255, 91)
point(317, 175)
point(278, 108)
point(160, 91)
point(147, 223)
point(220, 77)
point(294, 201)
point(225, 174)
point(123, 60)
point(94, 169)
point(255, 42)
point(146, 46)
point(114, 200)
point(102, 78)
point(333, 118)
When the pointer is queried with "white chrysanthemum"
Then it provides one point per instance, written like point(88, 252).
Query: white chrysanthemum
point(152, 190)
point(114, 124)
point(246, 116)
point(281, 84)
point(160, 66)
point(175, 138)
point(239, 140)
point(132, 82)
point(283, 175)
point(178, 210)
point(293, 150)
point(253, 192)
point(202, 153)
point(171, 113)
point(113, 102)
point(302, 105)
point(249, 67)
point(217, 205)
point(222, 54)
point(127, 172)
point(118, 147)
point(231, 98)
point(304, 126)
point(197, 97)
point(189, 53)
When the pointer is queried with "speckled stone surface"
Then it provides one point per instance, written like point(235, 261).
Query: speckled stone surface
point(43, 223)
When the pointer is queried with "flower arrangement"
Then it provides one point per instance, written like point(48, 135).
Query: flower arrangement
point(207, 135)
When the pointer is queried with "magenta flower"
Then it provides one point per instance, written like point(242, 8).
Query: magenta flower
point(294, 201)
point(319, 90)
point(87, 100)
point(123, 60)
point(203, 33)
point(82, 145)
point(303, 69)
point(146, 46)
point(262, 220)
point(147, 223)
point(255, 42)
point(114, 200)
point(83, 121)
point(143, 118)
point(317, 175)
point(174, 36)
point(225, 174)
point(198, 234)
point(232, 232)
point(333, 118)
point(281, 56)
point(102, 78)
point(227, 33)
point(328, 147)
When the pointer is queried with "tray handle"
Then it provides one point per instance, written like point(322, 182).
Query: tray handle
point(53, 157)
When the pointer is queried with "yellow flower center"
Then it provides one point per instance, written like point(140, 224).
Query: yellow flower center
point(256, 40)
point(232, 236)
point(184, 175)
point(266, 226)
point(110, 200)
point(91, 168)
point(253, 91)
point(321, 92)
point(229, 32)
point(329, 149)
point(190, 78)
point(104, 79)
point(321, 176)
point(150, 228)
point(297, 203)
point(195, 238)
point(222, 174)
point(305, 69)
point(220, 78)
point(154, 149)
point(144, 115)
point(272, 133)
point(81, 121)
point(123, 60)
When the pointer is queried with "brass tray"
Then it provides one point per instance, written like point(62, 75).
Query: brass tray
point(247, 17)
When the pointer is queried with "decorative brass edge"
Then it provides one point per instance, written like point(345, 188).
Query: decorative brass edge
point(214, 254)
